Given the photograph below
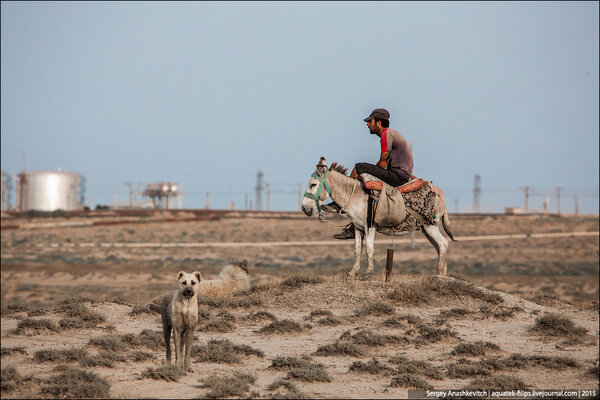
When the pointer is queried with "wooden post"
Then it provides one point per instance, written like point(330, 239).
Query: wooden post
point(388, 264)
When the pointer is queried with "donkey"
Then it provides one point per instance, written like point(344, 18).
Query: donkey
point(350, 196)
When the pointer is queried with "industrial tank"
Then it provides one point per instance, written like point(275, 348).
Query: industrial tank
point(48, 191)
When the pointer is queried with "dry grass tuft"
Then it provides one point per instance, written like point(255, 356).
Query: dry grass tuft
point(466, 369)
point(478, 348)
point(433, 335)
point(140, 356)
point(167, 372)
point(103, 359)
point(236, 385)
point(552, 362)
point(543, 298)
point(10, 379)
point(220, 326)
point(110, 342)
point(310, 373)
point(367, 338)
point(230, 301)
point(406, 366)
point(297, 281)
point(375, 308)
point(76, 309)
point(35, 326)
point(14, 307)
point(329, 321)
point(151, 339)
point(455, 313)
point(429, 289)
point(68, 355)
point(500, 312)
point(259, 316)
point(286, 363)
point(138, 310)
point(283, 326)
point(373, 367)
point(8, 351)
point(75, 383)
point(409, 381)
point(292, 391)
point(498, 382)
point(340, 349)
point(223, 351)
point(320, 313)
point(555, 325)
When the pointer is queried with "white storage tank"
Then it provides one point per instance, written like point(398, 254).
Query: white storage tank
point(48, 191)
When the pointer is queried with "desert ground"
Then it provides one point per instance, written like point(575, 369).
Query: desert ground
point(514, 313)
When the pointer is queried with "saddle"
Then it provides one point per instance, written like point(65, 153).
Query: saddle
point(401, 208)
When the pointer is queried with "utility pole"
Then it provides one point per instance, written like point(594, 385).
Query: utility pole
point(526, 188)
point(558, 199)
point(259, 189)
point(207, 201)
point(576, 206)
point(130, 184)
point(116, 196)
point(477, 194)
point(268, 197)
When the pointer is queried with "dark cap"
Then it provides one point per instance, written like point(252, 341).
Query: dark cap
point(378, 113)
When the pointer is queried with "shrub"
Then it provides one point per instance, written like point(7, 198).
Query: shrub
point(330, 321)
point(67, 355)
point(230, 302)
point(10, 378)
point(221, 326)
point(103, 359)
point(455, 313)
point(310, 373)
point(223, 351)
point(320, 313)
point(75, 383)
point(430, 289)
point(236, 385)
point(282, 326)
point(375, 308)
point(498, 382)
point(552, 362)
point(373, 367)
point(409, 381)
point(433, 335)
point(340, 349)
point(139, 356)
point(555, 325)
point(478, 348)
point(406, 366)
point(36, 326)
point(108, 342)
point(368, 338)
point(167, 372)
point(286, 363)
point(151, 339)
point(298, 281)
point(260, 315)
point(7, 351)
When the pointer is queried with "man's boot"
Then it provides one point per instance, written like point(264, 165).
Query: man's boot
point(347, 233)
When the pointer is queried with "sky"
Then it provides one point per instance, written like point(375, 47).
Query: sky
point(206, 94)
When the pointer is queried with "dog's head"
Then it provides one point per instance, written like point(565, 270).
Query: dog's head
point(189, 283)
point(241, 264)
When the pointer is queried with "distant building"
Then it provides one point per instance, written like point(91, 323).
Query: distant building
point(513, 210)
point(48, 191)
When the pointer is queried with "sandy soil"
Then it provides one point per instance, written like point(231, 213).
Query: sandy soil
point(535, 276)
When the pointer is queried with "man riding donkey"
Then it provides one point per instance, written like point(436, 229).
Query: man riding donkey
point(394, 166)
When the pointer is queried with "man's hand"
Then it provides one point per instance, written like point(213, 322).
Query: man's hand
point(383, 159)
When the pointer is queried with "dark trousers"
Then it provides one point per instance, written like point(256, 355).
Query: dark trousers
point(389, 177)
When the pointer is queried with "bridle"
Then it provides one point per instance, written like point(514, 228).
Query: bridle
point(323, 183)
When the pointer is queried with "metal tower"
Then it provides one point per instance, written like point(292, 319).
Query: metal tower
point(259, 188)
point(477, 194)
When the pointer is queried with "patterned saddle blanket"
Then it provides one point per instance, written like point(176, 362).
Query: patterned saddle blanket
point(417, 196)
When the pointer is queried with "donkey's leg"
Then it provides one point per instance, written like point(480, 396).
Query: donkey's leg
point(435, 237)
point(358, 237)
point(370, 239)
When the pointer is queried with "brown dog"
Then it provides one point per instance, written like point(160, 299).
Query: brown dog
point(180, 315)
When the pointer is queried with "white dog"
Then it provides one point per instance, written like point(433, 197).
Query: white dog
point(233, 278)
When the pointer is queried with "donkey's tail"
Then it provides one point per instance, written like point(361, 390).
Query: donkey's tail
point(446, 225)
